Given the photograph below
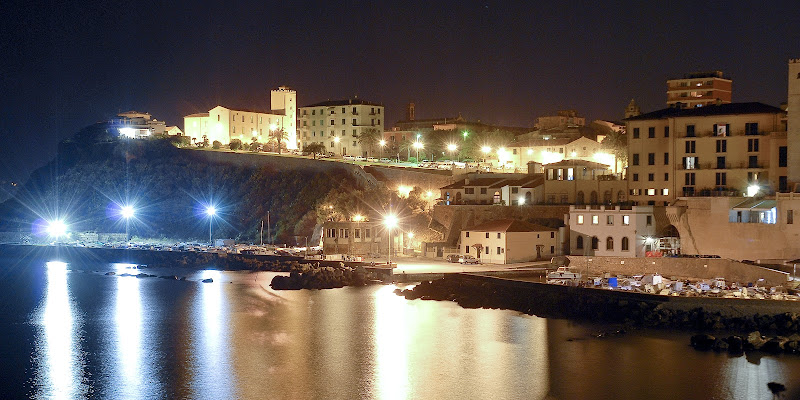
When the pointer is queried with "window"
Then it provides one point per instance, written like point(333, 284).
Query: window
point(552, 249)
point(624, 243)
point(595, 243)
point(649, 220)
point(782, 156)
point(626, 220)
point(689, 179)
point(498, 249)
point(366, 233)
point(690, 131)
point(666, 158)
point(752, 144)
point(483, 190)
point(790, 216)
point(651, 177)
point(635, 133)
point(487, 235)
point(469, 191)
point(466, 249)
point(651, 132)
point(691, 146)
point(498, 235)
point(467, 233)
point(635, 158)
point(358, 233)
point(721, 162)
point(722, 146)
point(721, 179)
point(636, 177)
point(690, 163)
point(580, 219)
point(515, 190)
point(651, 192)
point(722, 130)
point(666, 176)
point(609, 243)
point(610, 220)
point(666, 131)
point(651, 158)
point(579, 243)
point(665, 192)
point(552, 235)
point(752, 162)
point(751, 128)
point(354, 121)
point(595, 219)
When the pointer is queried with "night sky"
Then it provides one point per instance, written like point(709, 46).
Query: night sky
point(65, 65)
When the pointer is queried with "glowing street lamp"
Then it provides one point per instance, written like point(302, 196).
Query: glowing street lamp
point(127, 212)
point(752, 190)
point(465, 135)
point(418, 145)
point(390, 221)
point(56, 228)
point(452, 148)
point(382, 143)
point(210, 211)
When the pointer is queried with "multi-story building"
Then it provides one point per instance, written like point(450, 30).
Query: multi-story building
point(507, 241)
point(713, 150)
point(554, 150)
point(611, 231)
point(699, 89)
point(582, 182)
point(224, 124)
point(138, 125)
point(562, 120)
point(339, 124)
point(360, 237)
point(497, 189)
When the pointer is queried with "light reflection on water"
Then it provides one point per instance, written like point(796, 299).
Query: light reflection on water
point(174, 339)
point(61, 372)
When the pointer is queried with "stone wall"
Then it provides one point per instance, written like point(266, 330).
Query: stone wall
point(678, 268)
point(424, 178)
point(456, 218)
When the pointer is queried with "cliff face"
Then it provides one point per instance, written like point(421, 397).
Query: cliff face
point(94, 173)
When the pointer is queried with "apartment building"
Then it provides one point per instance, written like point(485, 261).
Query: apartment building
point(699, 89)
point(713, 150)
point(338, 124)
point(582, 182)
point(506, 241)
point(611, 231)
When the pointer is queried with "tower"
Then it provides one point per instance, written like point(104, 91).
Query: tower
point(793, 123)
point(284, 102)
point(632, 109)
point(410, 112)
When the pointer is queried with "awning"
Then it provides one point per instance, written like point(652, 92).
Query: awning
point(756, 205)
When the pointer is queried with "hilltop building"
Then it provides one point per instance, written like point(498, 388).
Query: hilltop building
point(699, 89)
point(338, 124)
point(138, 125)
point(224, 124)
point(562, 120)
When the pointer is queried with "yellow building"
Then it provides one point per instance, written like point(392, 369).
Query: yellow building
point(338, 125)
point(712, 150)
point(224, 124)
point(506, 241)
point(554, 150)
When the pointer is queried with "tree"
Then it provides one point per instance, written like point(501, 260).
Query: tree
point(369, 138)
point(314, 149)
point(216, 145)
point(615, 143)
point(279, 135)
point(235, 144)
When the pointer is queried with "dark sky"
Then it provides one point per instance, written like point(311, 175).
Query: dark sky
point(67, 64)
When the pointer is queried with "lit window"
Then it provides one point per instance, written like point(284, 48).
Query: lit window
point(665, 192)
point(595, 219)
point(626, 220)
point(580, 219)
point(651, 192)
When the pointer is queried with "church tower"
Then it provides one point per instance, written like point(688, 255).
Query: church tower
point(793, 123)
point(632, 109)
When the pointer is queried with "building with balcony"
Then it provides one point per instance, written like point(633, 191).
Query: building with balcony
point(707, 151)
point(338, 124)
point(547, 151)
point(224, 124)
point(576, 181)
point(506, 241)
point(611, 231)
point(360, 238)
point(699, 89)
point(137, 125)
point(495, 189)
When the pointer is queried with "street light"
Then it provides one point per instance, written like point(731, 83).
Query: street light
point(336, 140)
point(56, 228)
point(390, 221)
point(210, 211)
point(465, 135)
point(127, 212)
point(382, 143)
point(485, 150)
point(418, 145)
point(452, 148)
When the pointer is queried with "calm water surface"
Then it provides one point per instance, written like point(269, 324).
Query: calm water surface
point(71, 332)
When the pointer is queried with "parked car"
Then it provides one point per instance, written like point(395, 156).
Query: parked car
point(468, 259)
point(372, 159)
point(385, 160)
point(453, 258)
point(349, 158)
point(361, 158)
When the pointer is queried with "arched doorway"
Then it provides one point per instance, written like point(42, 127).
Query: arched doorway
point(579, 198)
point(528, 198)
point(593, 197)
point(607, 197)
point(458, 197)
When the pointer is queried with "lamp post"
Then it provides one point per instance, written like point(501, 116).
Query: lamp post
point(418, 145)
point(382, 143)
point(210, 211)
point(336, 140)
point(390, 221)
point(485, 150)
point(452, 148)
point(127, 212)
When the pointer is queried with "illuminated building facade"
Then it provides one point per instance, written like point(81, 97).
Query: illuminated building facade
point(699, 89)
point(339, 124)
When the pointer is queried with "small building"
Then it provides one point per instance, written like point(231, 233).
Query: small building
point(495, 189)
point(612, 231)
point(582, 182)
point(360, 238)
point(506, 241)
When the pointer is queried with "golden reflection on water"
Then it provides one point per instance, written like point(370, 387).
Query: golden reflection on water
point(62, 374)
point(392, 339)
point(128, 319)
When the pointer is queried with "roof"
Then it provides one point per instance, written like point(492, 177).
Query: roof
point(509, 225)
point(343, 102)
point(721, 109)
point(196, 115)
point(577, 162)
point(755, 205)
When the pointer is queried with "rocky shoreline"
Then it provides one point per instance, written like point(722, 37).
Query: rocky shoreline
point(741, 333)
point(307, 276)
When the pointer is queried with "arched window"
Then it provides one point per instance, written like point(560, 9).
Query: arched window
point(595, 243)
point(528, 198)
point(593, 197)
point(609, 243)
point(624, 243)
point(620, 197)
point(607, 197)
point(579, 243)
point(579, 197)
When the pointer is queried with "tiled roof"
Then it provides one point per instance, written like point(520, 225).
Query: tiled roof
point(197, 115)
point(576, 163)
point(509, 225)
point(344, 102)
point(722, 109)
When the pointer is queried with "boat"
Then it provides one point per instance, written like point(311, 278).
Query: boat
point(563, 274)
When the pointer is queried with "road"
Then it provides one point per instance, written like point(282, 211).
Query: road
point(418, 265)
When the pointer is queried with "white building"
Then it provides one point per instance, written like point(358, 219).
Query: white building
point(338, 124)
point(224, 124)
point(138, 125)
point(506, 241)
point(611, 231)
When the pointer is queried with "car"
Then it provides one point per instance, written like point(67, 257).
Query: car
point(361, 158)
point(349, 158)
point(385, 160)
point(453, 258)
point(372, 159)
point(468, 259)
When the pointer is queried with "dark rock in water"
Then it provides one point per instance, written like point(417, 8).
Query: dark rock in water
point(754, 341)
point(720, 345)
point(792, 347)
point(735, 344)
point(183, 278)
point(774, 345)
point(776, 388)
point(207, 280)
point(111, 273)
point(702, 341)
